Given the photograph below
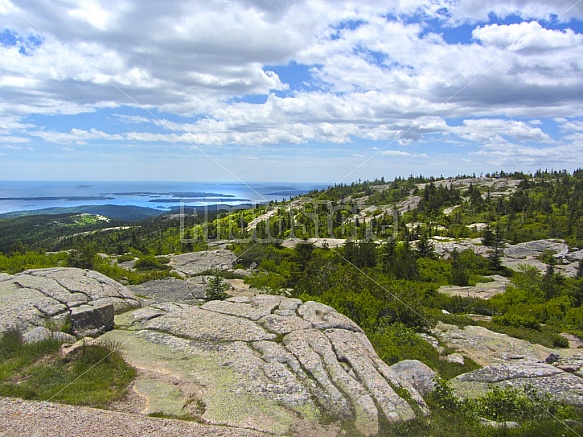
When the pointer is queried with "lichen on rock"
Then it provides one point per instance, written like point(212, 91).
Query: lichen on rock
point(268, 363)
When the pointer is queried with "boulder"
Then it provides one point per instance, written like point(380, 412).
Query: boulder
point(44, 297)
point(92, 320)
point(571, 364)
point(498, 425)
point(532, 249)
point(446, 248)
point(454, 358)
point(70, 349)
point(421, 376)
point(528, 254)
point(267, 363)
point(482, 290)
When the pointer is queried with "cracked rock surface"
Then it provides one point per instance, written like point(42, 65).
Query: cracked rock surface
point(266, 363)
point(36, 297)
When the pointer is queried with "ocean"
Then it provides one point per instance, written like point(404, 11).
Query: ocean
point(163, 196)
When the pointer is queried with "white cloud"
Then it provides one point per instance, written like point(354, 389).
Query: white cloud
point(480, 10)
point(375, 79)
point(76, 136)
point(519, 156)
point(570, 125)
point(527, 36)
point(13, 139)
point(394, 153)
point(132, 119)
point(487, 129)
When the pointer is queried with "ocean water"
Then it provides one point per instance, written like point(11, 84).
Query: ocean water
point(32, 195)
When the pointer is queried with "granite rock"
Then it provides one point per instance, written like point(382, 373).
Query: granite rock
point(39, 297)
point(421, 376)
point(194, 263)
point(266, 363)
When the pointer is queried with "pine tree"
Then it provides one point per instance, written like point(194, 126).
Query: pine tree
point(460, 275)
point(495, 256)
point(216, 288)
point(425, 248)
point(580, 269)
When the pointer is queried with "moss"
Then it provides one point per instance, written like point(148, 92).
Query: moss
point(163, 397)
point(224, 402)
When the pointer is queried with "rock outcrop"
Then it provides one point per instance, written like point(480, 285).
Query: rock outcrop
point(171, 290)
point(266, 363)
point(53, 296)
point(516, 255)
point(509, 361)
point(488, 347)
point(482, 290)
point(544, 378)
point(194, 263)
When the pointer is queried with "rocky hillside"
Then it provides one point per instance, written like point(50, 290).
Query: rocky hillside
point(266, 363)
point(341, 308)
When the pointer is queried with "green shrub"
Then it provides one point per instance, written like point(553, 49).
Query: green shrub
point(546, 335)
point(396, 342)
point(434, 270)
point(125, 258)
point(149, 262)
point(266, 280)
point(519, 404)
point(574, 318)
point(31, 260)
point(519, 321)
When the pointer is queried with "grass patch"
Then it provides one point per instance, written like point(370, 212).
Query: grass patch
point(186, 416)
point(475, 278)
point(94, 376)
point(126, 257)
point(133, 277)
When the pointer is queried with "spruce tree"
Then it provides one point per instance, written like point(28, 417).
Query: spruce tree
point(495, 256)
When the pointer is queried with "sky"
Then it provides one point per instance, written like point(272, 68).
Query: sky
point(288, 90)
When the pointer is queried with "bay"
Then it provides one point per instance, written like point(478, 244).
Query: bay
point(163, 196)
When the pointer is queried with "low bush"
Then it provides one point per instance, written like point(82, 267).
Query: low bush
point(516, 320)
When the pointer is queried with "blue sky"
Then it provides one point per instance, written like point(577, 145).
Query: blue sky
point(291, 90)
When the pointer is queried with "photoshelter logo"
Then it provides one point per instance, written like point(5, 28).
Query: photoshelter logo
point(304, 220)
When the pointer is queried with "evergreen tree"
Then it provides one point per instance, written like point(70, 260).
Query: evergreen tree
point(425, 247)
point(579, 269)
point(496, 253)
point(216, 288)
point(83, 256)
point(460, 274)
point(549, 283)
